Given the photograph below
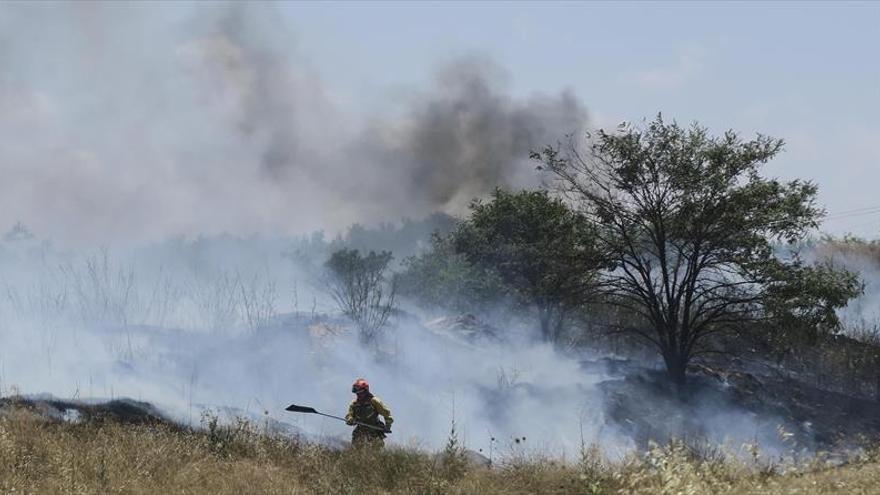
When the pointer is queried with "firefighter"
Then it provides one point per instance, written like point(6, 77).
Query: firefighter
point(366, 409)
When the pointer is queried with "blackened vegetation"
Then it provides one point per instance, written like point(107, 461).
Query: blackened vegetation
point(799, 414)
point(808, 391)
point(123, 411)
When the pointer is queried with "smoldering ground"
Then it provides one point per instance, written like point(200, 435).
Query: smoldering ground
point(104, 325)
point(224, 326)
point(136, 122)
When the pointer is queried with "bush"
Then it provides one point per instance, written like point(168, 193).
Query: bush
point(362, 289)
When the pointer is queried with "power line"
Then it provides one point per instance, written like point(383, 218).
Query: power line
point(854, 213)
point(856, 210)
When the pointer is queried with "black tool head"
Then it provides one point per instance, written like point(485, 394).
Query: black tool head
point(300, 409)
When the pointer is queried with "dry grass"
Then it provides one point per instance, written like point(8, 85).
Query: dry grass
point(42, 456)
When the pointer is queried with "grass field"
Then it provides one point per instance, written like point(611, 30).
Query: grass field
point(45, 456)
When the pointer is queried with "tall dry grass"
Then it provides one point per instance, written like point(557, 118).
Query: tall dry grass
point(44, 456)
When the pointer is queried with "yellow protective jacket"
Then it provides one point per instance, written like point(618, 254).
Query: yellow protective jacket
point(368, 412)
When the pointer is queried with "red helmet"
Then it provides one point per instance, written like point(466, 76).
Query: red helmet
point(360, 386)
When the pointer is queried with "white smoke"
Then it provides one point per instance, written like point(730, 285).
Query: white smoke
point(171, 325)
point(230, 325)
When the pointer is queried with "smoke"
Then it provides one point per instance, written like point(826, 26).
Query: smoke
point(136, 122)
point(861, 313)
point(465, 137)
point(125, 123)
point(231, 326)
point(220, 326)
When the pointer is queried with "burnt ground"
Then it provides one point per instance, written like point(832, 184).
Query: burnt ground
point(750, 398)
point(124, 411)
point(737, 406)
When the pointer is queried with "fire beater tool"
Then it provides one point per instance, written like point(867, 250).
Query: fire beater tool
point(311, 410)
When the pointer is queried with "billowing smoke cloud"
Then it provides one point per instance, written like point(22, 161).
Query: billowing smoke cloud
point(138, 122)
point(465, 137)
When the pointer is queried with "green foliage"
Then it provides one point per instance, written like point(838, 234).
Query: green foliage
point(810, 295)
point(688, 224)
point(453, 458)
point(539, 248)
point(526, 248)
point(403, 238)
point(441, 279)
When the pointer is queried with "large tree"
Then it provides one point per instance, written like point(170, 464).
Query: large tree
point(539, 248)
point(696, 234)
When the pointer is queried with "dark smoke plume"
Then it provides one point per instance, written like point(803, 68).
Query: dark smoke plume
point(465, 136)
point(142, 121)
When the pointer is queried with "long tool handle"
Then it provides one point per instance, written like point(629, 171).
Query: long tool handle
point(379, 428)
point(311, 410)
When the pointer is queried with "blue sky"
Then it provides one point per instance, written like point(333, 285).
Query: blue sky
point(808, 72)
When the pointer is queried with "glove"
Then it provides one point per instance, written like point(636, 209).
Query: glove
point(387, 430)
point(349, 422)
